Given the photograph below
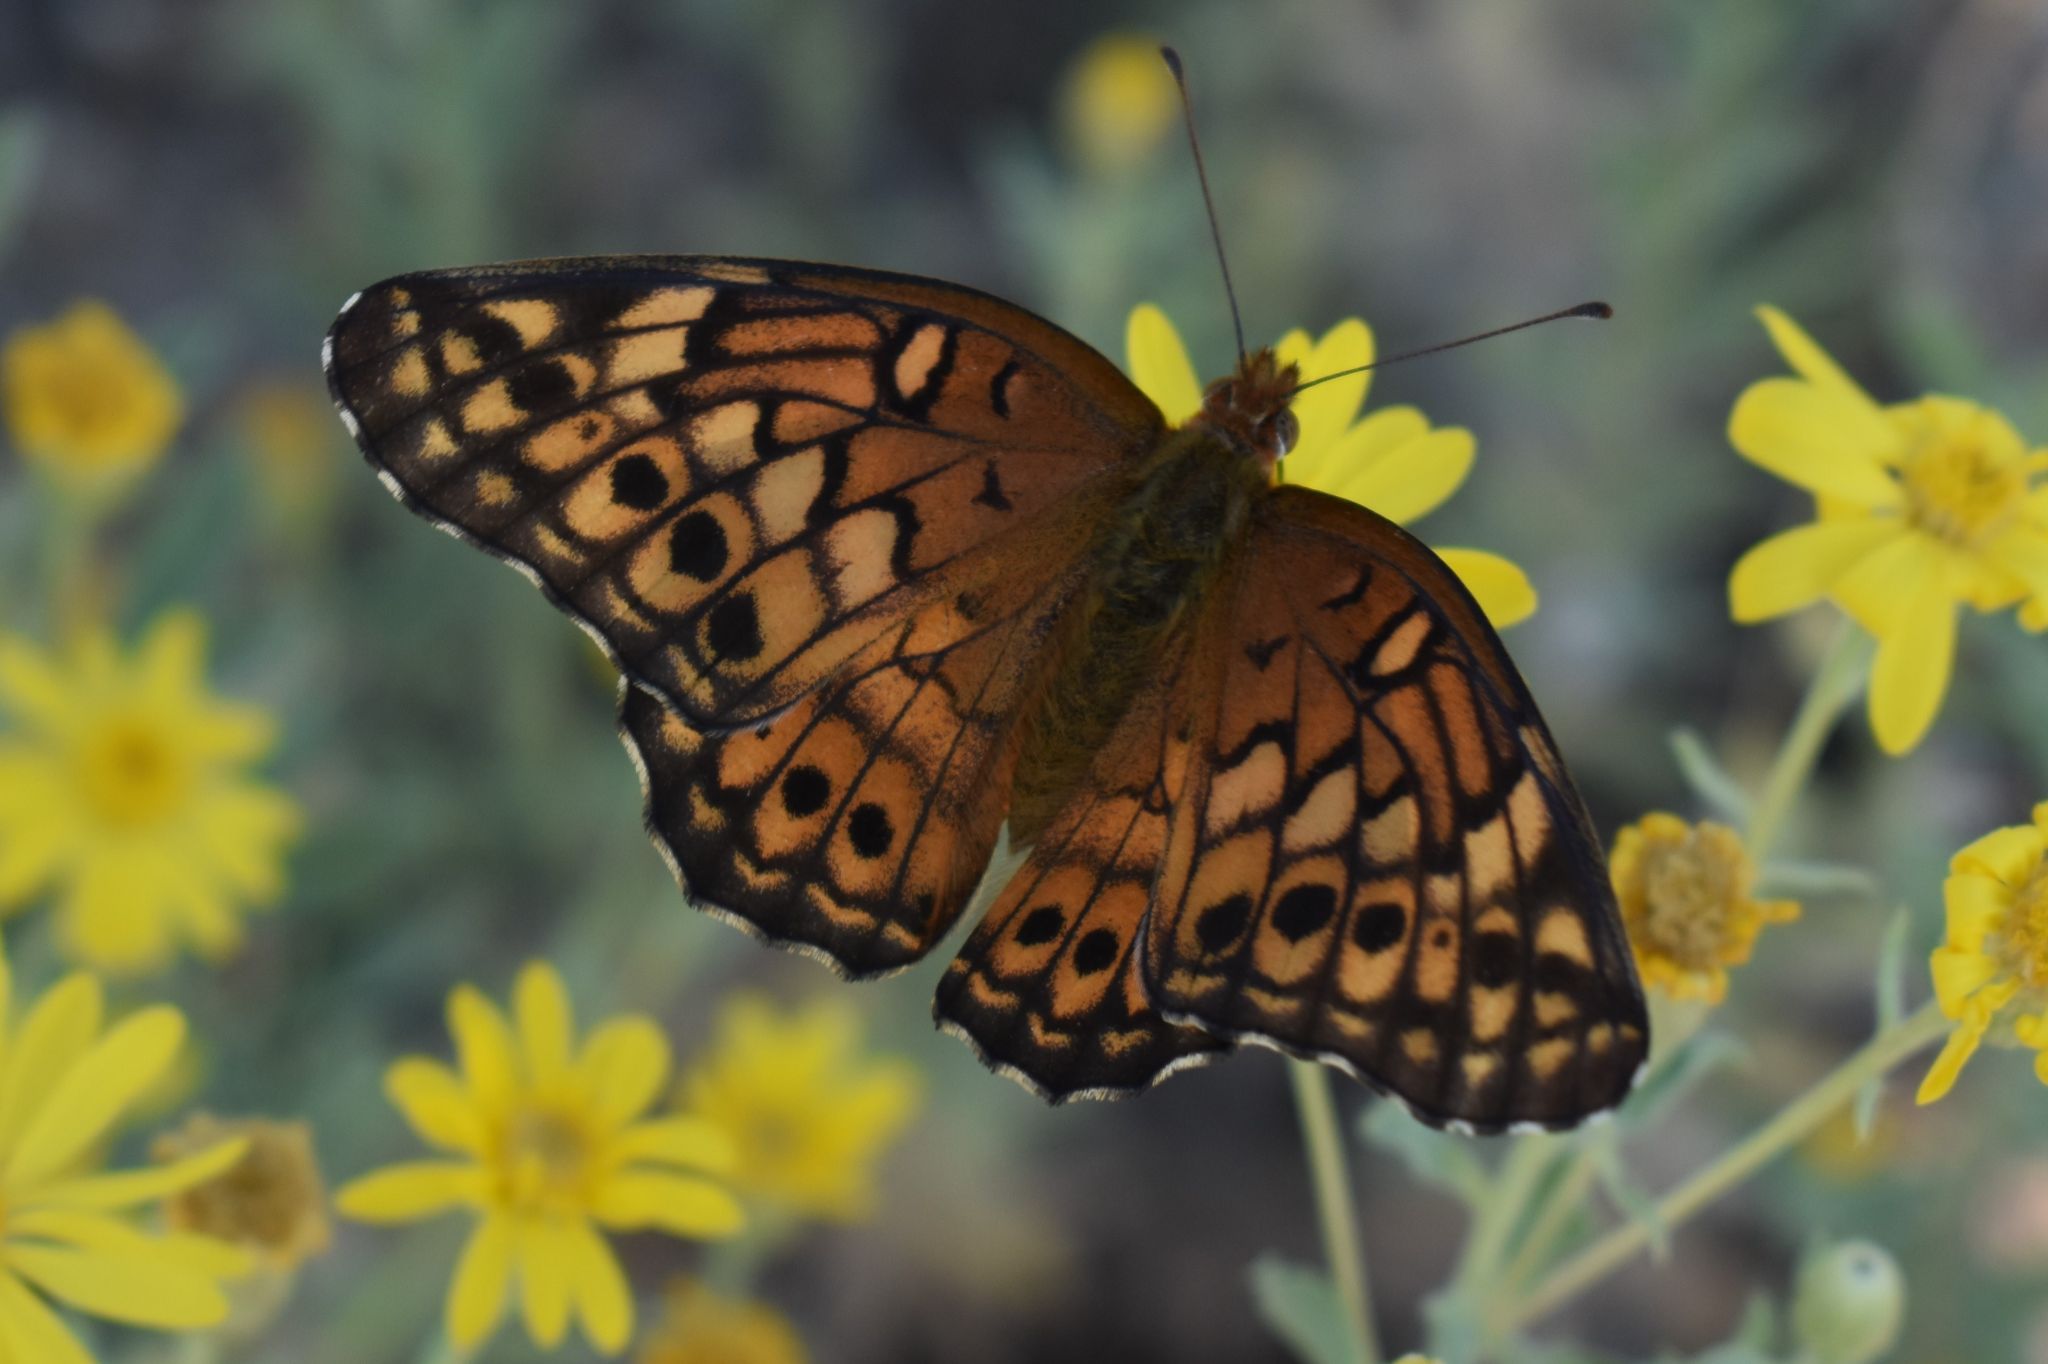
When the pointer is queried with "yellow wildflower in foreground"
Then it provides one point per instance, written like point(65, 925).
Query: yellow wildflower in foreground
point(1118, 102)
point(1393, 461)
point(1922, 507)
point(1684, 891)
point(1991, 973)
point(123, 789)
point(697, 1326)
point(808, 1117)
point(86, 398)
point(64, 1085)
point(549, 1146)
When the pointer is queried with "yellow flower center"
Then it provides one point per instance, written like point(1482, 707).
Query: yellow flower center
point(1964, 480)
point(2024, 944)
point(547, 1158)
point(131, 774)
point(1688, 889)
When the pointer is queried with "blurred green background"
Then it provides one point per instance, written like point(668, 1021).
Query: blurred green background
point(226, 173)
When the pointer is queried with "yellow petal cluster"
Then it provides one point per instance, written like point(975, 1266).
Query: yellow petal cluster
point(1922, 508)
point(547, 1145)
point(272, 1202)
point(86, 398)
point(1991, 971)
point(1391, 460)
point(1685, 896)
point(698, 1326)
point(124, 792)
point(67, 1080)
point(809, 1116)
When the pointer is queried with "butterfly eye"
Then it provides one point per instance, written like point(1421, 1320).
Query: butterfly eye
point(1282, 430)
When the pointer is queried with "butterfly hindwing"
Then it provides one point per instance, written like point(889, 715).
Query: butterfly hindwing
point(736, 474)
point(1048, 987)
point(1379, 859)
point(856, 823)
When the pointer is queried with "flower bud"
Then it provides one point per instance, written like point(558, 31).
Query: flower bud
point(1848, 1303)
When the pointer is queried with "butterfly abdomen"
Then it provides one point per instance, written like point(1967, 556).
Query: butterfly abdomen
point(1188, 505)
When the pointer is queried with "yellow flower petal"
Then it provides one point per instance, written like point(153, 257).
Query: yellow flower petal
point(2022, 551)
point(690, 1142)
point(434, 1103)
point(1877, 587)
point(31, 687)
point(639, 1199)
point(1941, 1076)
point(1805, 356)
point(545, 1025)
point(131, 1058)
point(1158, 364)
point(544, 1269)
point(126, 1188)
point(31, 1331)
point(408, 1192)
point(97, 1231)
point(1912, 670)
point(1819, 439)
point(2008, 855)
point(1501, 588)
point(1412, 480)
point(483, 1276)
point(604, 1303)
point(622, 1067)
point(484, 1047)
point(1975, 903)
point(141, 1290)
point(55, 1034)
point(1327, 410)
point(1798, 567)
point(1958, 975)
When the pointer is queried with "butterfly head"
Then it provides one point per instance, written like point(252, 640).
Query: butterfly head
point(1251, 406)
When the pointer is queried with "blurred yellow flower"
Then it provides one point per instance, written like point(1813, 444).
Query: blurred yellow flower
point(1685, 899)
point(1393, 461)
point(272, 1202)
point(288, 429)
point(808, 1117)
point(550, 1146)
point(1117, 102)
point(64, 1085)
point(697, 1326)
point(1921, 507)
point(86, 398)
point(122, 785)
point(1991, 972)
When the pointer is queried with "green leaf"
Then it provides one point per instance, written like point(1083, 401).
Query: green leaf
point(21, 154)
point(1433, 1157)
point(1891, 1007)
point(1454, 1318)
point(1815, 880)
point(1710, 781)
point(1300, 1306)
point(1634, 1201)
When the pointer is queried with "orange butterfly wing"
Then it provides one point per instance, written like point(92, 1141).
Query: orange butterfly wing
point(822, 518)
point(735, 474)
point(1379, 860)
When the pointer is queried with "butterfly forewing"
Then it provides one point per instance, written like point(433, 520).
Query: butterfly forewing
point(737, 474)
point(1379, 859)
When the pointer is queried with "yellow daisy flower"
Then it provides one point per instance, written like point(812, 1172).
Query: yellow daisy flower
point(1991, 972)
point(65, 1082)
point(808, 1117)
point(122, 787)
point(697, 1326)
point(548, 1146)
point(1118, 101)
point(1922, 507)
point(1393, 461)
point(1684, 891)
point(86, 398)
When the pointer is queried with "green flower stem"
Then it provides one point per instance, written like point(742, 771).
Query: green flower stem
point(1507, 1202)
point(1793, 1123)
point(1835, 684)
point(1336, 1210)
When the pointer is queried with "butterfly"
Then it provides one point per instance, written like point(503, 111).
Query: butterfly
point(888, 564)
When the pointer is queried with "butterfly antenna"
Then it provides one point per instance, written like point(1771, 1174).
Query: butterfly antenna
point(1596, 310)
point(1187, 105)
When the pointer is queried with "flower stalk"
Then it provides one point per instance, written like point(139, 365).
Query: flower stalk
point(1336, 1208)
point(1835, 683)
